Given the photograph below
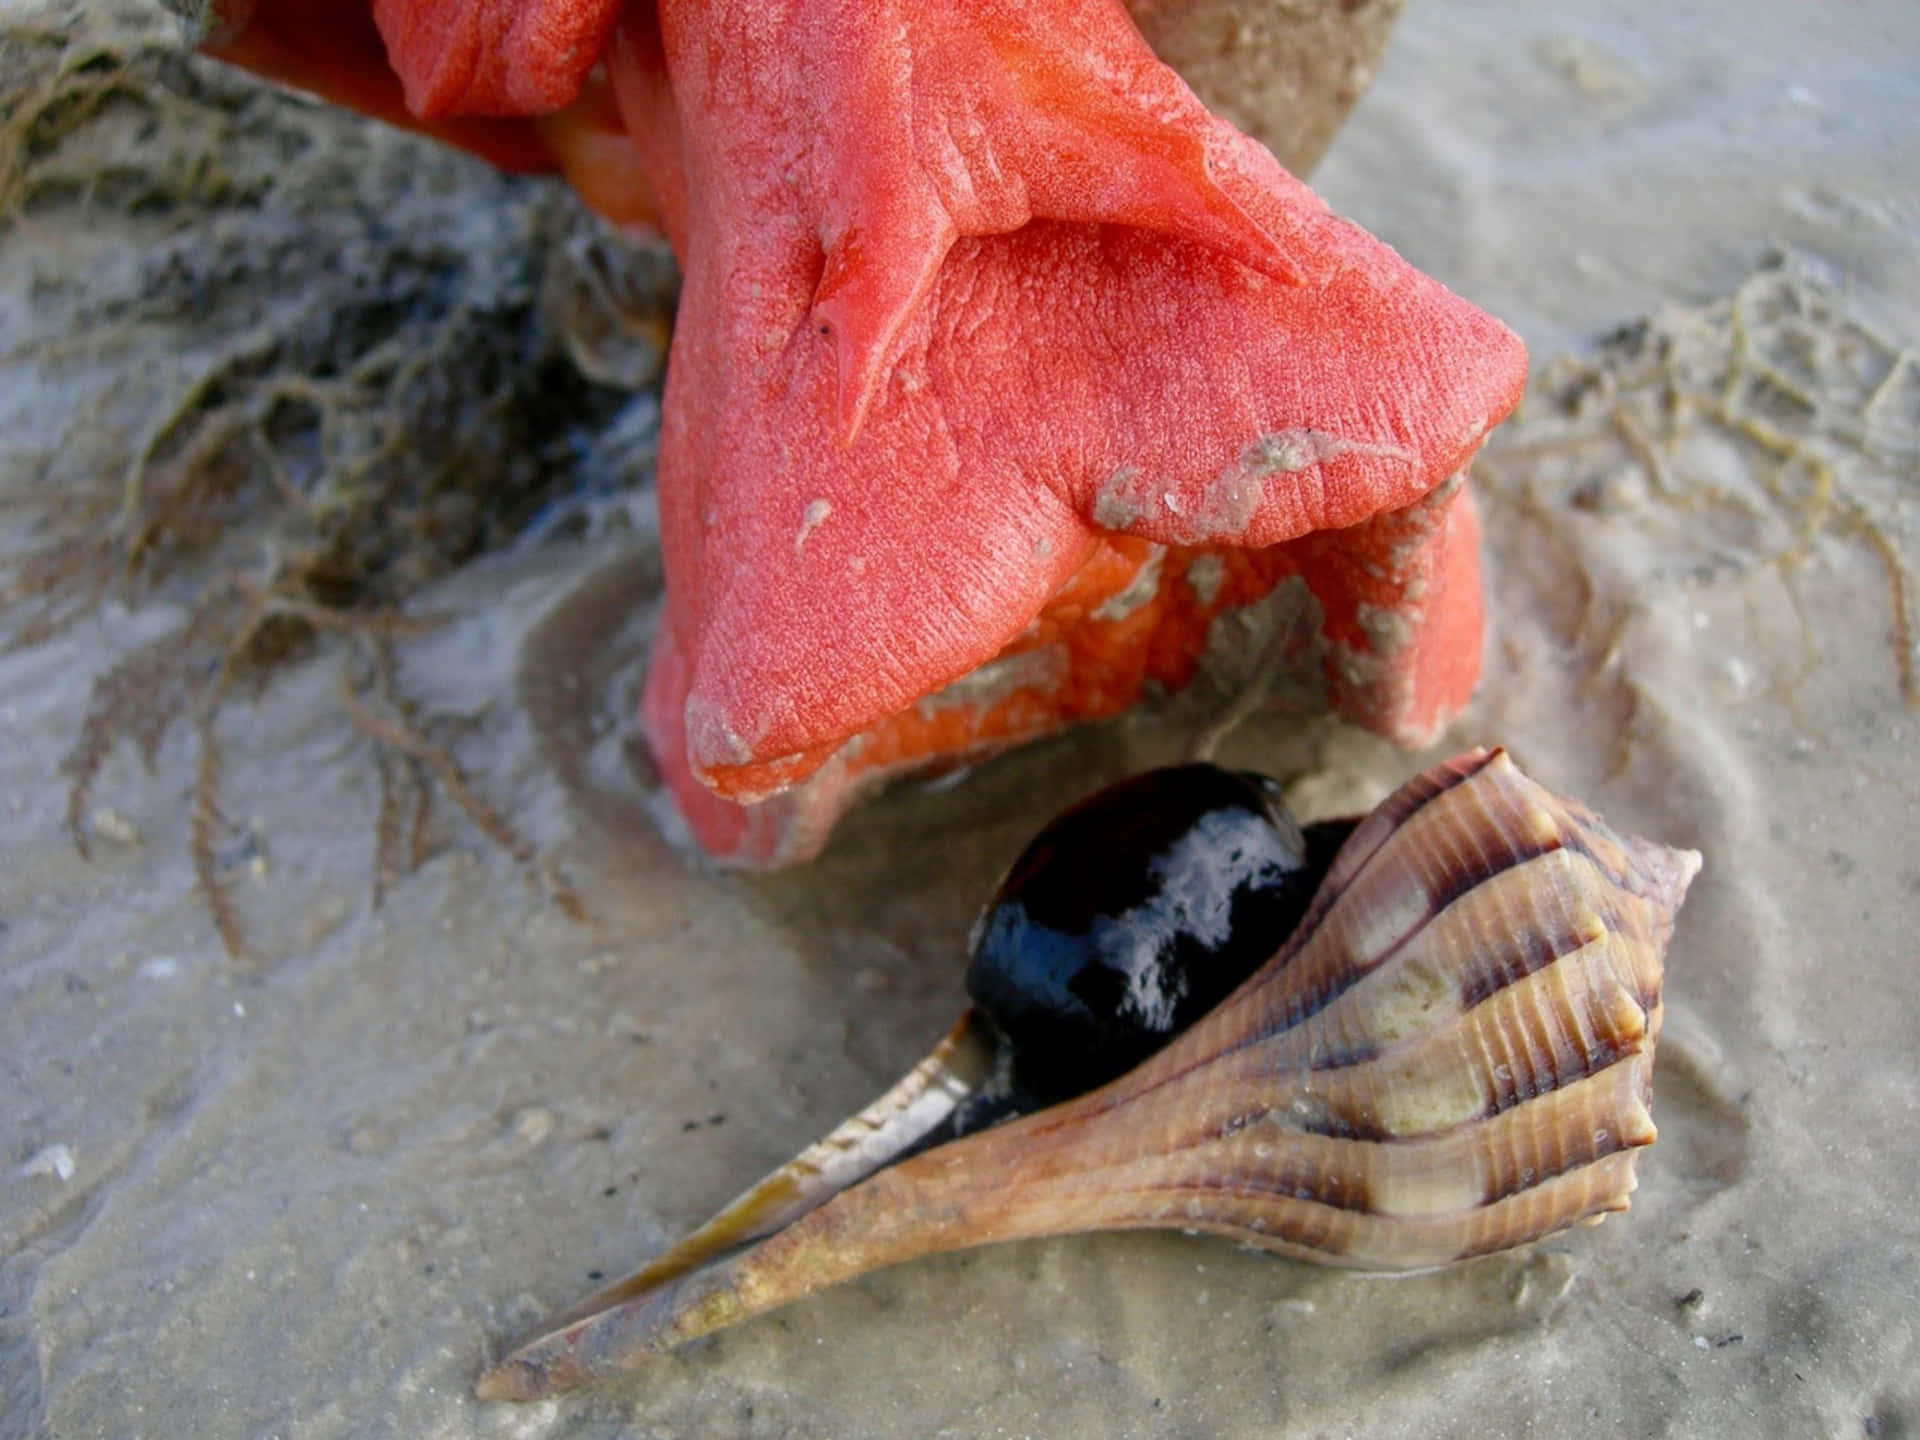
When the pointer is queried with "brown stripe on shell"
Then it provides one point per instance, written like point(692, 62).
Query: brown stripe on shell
point(1454, 842)
point(1389, 816)
point(1312, 1229)
point(1518, 922)
point(1452, 1171)
point(1429, 1175)
point(1576, 1197)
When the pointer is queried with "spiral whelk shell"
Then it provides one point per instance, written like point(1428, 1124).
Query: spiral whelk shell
point(1452, 1055)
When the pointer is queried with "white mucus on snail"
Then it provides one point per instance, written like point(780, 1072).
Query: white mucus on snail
point(1445, 1052)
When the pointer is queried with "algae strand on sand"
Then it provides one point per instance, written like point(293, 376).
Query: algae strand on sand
point(287, 367)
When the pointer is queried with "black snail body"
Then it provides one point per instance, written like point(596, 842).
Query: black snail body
point(1134, 913)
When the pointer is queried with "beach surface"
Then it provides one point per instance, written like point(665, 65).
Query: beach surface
point(312, 1192)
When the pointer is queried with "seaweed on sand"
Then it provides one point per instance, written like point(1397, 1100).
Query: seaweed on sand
point(1761, 423)
point(271, 369)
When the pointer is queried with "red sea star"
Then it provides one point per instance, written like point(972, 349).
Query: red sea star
point(1003, 369)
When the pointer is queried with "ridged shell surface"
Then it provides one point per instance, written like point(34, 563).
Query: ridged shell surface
point(1452, 1055)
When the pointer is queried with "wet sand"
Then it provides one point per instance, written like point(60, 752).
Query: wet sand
point(311, 1195)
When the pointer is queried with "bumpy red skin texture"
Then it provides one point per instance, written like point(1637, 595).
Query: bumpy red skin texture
point(979, 306)
point(1041, 381)
point(1405, 683)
